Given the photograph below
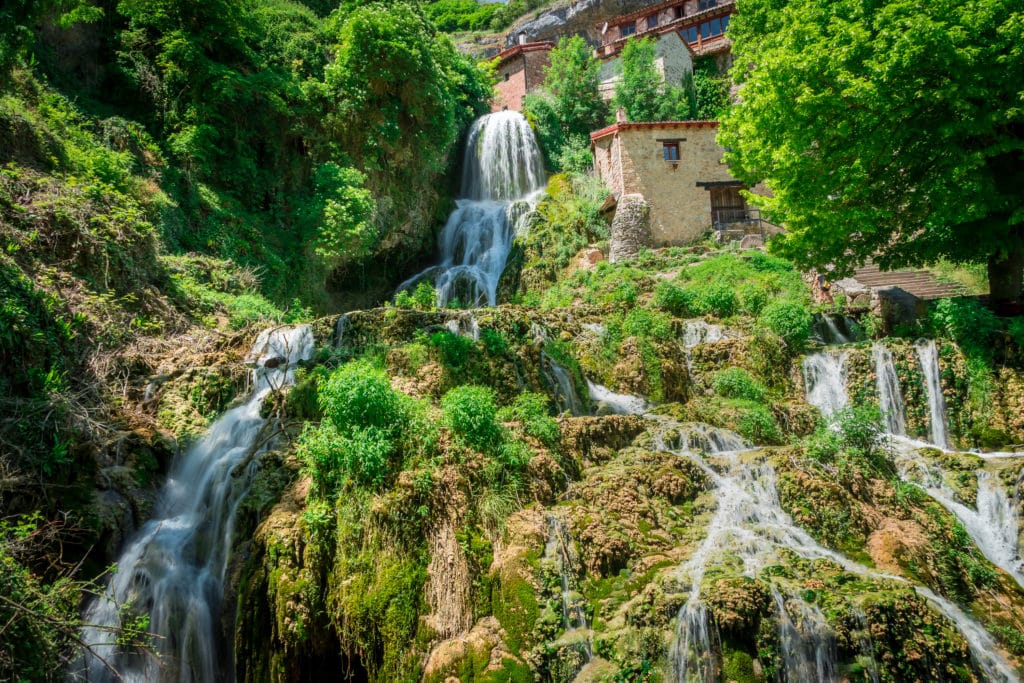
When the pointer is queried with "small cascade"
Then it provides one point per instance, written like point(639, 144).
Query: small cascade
point(503, 176)
point(890, 398)
point(928, 354)
point(867, 646)
point(561, 552)
point(697, 332)
point(465, 325)
point(560, 382)
point(831, 329)
point(825, 382)
point(993, 526)
point(340, 328)
point(750, 525)
point(808, 645)
point(173, 569)
point(606, 401)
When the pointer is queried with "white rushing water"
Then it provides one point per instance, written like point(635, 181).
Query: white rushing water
point(830, 329)
point(173, 568)
point(890, 397)
point(560, 382)
point(928, 354)
point(825, 382)
point(607, 401)
point(561, 552)
point(749, 524)
point(502, 177)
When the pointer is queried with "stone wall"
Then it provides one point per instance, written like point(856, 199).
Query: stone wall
point(631, 228)
point(520, 75)
point(680, 210)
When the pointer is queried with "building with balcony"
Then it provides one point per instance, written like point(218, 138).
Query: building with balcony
point(677, 168)
point(520, 70)
point(702, 24)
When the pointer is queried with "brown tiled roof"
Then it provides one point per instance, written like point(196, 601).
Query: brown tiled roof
point(510, 52)
point(639, 125)
point(728, 5)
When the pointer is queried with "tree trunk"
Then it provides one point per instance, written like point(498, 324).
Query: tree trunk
point(1006, 271)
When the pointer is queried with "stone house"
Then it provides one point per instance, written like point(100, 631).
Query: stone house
point(673, 59)
point(702, 24)
point(676, 169)
point(520, 70)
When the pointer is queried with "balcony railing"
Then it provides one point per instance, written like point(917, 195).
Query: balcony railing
point(746, 219)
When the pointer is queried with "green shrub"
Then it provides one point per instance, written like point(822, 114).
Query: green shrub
point(737, 383)
point(363, 453)
point(471, 413)
point(250, 308)
point(714, 299)
point(754, 298)
point(494, 342)
point(647, 324)
point(673, 298)
point(789, 320)
point(360, 395)
point(757, 425)
point(533, 411)
point(454, 348)
point(965, 321)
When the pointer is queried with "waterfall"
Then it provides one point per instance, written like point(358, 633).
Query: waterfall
point(825, 382)
point(173, 568)
point(890, 398)
point(808, 645)
point(560, 382)
point(750, 525)
point(928, 354)
point(701, 332)
point(831, 329)
point(867, 646)
point(340, 328)
point(607, 401)
point(502, 176)
point(465, 325)
point(992, 526)
point(561, 552)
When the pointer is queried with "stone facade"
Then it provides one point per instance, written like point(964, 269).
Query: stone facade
point(630, 159)
point(673, 59)
point(631, 228)
point(520, 71)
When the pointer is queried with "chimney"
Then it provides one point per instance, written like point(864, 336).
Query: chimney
point(522, 37)
point(620, 115)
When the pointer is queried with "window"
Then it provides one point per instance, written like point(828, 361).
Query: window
point(680, 11)
point(670, 150)
point(706, 4)
point(716, 27)
point(725, 23)
point(689, 34)
point(705, 30)
point(628, 29)
point(652, 21)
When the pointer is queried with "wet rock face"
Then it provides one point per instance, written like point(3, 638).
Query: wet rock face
point(584, 17)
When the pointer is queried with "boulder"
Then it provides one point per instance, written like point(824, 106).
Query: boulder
point(895, 306)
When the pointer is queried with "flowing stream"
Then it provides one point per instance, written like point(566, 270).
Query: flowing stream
point(890, 397)
point(750, 524)
point(562, 386)
point(825, 382)
point(502, 178)
point(561, 552)
point(929, 357)
point(173, 568)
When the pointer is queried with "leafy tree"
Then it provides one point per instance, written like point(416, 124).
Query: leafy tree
point(568, 106)
point(892, 130)
point(707, 91)
point(345, 230)
point(642, 91)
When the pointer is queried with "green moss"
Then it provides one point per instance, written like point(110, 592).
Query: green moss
point(514, 604)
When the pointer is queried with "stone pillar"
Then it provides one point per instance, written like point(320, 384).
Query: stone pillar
point(631, 228)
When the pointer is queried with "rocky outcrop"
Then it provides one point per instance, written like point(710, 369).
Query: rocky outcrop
point(583, 17)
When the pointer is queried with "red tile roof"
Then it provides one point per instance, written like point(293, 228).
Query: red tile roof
point(639, 125)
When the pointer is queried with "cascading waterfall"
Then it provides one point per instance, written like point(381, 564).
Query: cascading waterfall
point(699, 332)
point(992, 526)
point(465, 325)
point(928, 354)
point(890, 398)
point(807, 644)
point(503, 175)
point(607, 401)
point(825, 382)
point(829, 329)
point(173, 569)
point(749, 524)
point(560, 551)
point(561, 384)
point(867, 646)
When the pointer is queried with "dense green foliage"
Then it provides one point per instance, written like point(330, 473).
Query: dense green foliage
point(890, 130)
point(568, 106)
point(642, 92)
